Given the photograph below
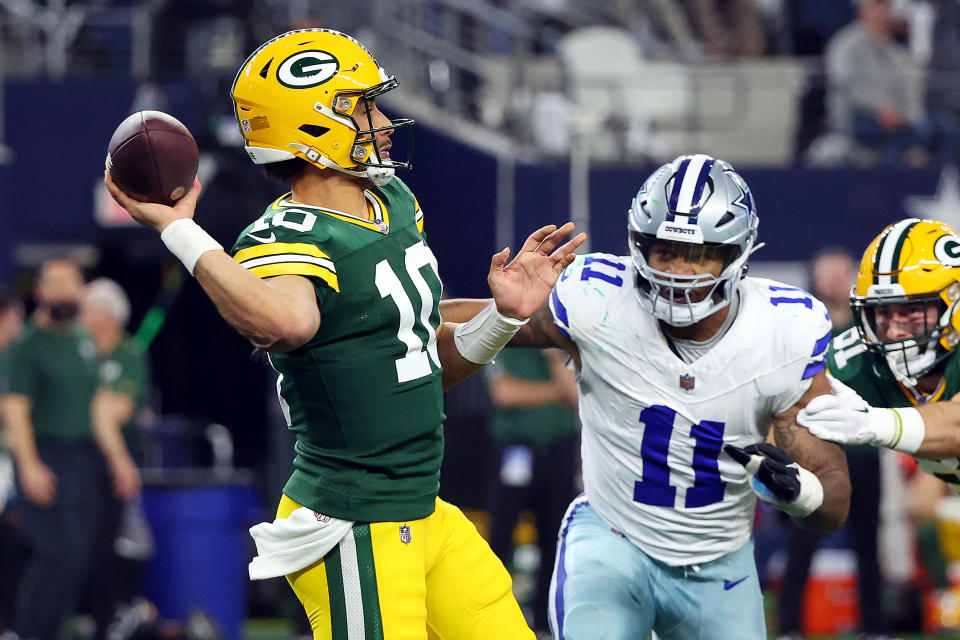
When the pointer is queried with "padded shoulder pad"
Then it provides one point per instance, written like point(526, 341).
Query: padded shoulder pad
point(585, 290)
point(801, 330)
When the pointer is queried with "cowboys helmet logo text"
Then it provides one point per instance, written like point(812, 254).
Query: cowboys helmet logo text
point(307, 69)
point(947, 250)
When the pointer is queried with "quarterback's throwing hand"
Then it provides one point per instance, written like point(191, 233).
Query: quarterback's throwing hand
point(521, 286)
point(151, 214)
point(778, 480)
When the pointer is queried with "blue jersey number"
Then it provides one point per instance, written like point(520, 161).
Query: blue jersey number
point(655, 488)
point(799, 296)
point(588, 273)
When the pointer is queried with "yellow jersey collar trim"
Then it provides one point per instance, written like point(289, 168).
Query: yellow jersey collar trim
point(376, 207)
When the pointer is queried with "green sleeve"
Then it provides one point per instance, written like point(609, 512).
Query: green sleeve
point(268, 250)
point(23, 373)
point(134, 380)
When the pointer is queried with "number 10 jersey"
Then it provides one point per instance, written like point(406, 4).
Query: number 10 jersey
point(654, 426)
point(364, 396)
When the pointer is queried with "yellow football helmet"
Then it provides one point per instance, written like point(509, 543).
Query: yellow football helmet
point(306, 94)
point(911, 261)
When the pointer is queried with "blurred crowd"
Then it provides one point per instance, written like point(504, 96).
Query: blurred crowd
point(879, 83)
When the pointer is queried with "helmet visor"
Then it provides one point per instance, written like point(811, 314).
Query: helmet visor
point(659, 252)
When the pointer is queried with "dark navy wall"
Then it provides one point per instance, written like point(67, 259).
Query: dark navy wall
point(59, 133)
point(800, 210)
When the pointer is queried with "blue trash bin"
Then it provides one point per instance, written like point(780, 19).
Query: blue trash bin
point(199, 520)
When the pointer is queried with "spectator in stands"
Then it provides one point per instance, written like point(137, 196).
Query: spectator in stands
point(832, 271)
point(943, 75)
point(874, 88)
point(730, 28)
point(12, 545)
point(534, 429)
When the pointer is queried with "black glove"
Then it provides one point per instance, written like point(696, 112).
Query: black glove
point(777, 475)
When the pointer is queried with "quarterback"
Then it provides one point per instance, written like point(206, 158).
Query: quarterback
point(689, 374)
point(337, 283)
point(897, 377)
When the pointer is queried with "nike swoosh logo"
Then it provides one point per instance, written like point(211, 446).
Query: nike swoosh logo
point(864, 410)
point(727, 585)
point(271, 238)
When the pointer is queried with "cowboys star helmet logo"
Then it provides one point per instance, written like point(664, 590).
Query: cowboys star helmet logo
point(307, 69)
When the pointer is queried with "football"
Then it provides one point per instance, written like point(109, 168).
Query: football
point(152, 157)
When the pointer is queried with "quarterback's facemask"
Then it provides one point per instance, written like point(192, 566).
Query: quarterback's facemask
point(906, 302)
point(697, 210)
point(309, 94)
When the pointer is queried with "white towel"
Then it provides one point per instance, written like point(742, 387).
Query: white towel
point(293, 543)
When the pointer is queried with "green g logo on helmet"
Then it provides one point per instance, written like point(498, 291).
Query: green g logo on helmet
point(947, 250)
point(307, 69)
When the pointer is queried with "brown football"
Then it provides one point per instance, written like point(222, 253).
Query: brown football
point(152, 157)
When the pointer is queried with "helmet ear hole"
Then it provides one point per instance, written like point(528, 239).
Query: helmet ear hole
point(726, 219)
point(314, 130)
point(266, 68)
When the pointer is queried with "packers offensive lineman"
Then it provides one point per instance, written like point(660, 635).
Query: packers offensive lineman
point(685, 369)
point(897, 375)
point(336, 282)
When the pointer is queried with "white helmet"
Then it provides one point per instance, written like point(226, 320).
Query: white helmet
point(698, 203)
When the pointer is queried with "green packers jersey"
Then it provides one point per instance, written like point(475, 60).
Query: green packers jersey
point(364, 395)
point(868, 374)
point(127, 371)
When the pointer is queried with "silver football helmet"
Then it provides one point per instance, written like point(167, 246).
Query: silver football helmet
point(700, 207)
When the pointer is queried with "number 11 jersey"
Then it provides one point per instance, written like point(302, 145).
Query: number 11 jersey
point(364, 396)
point(654, 426)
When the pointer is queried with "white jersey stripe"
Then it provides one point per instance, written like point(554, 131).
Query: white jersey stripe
point(352, 594)
point(288, 257)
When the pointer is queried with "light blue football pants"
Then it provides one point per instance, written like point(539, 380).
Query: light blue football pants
point(605, 588)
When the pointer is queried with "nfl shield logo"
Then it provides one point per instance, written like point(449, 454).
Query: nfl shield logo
point(405, 534)
point(686, 382)
point(321, 517)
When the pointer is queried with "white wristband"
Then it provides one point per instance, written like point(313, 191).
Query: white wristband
point(905, 431)
point(481, 338)
point(186, 240)
point(810, 497)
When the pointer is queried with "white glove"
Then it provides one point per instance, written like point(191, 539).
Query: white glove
point(846, 418)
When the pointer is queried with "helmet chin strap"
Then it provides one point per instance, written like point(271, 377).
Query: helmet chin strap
point(380, 176)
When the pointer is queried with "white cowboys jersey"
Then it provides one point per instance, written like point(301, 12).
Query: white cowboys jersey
point(654, 427)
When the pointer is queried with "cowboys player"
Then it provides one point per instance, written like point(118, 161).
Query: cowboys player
point(336, 281)
point(686, 370)
point(901, 355)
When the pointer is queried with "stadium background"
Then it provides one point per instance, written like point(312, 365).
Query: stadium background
point(517, 123)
